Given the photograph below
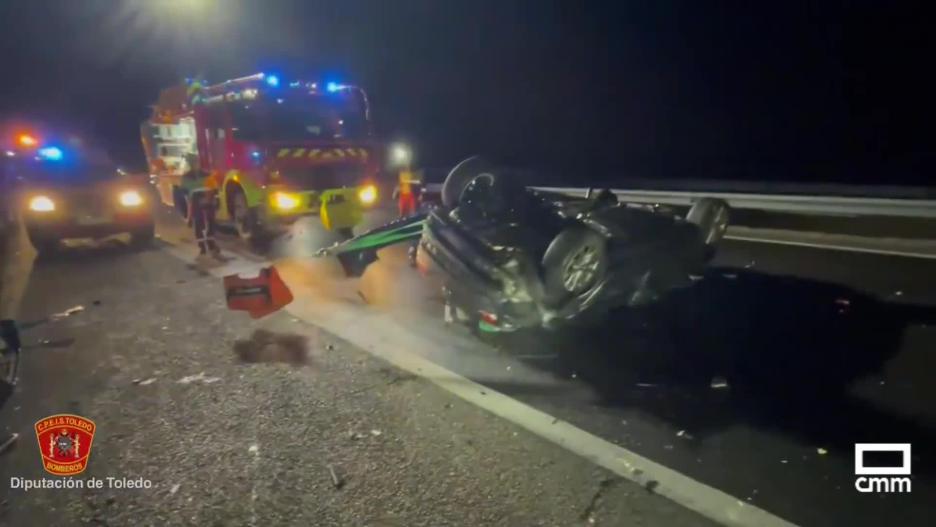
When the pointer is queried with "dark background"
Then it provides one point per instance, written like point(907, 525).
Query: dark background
point(821, 91)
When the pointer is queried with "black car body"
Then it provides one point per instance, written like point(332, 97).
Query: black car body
point(512, 257)
point(79, 198)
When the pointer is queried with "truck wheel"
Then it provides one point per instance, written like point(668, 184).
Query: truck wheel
point(142, 236)
point(45, 244)
point(180, 202)
point(245, 219)
point(575, 262)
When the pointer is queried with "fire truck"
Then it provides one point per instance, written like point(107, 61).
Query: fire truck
point(275, 151)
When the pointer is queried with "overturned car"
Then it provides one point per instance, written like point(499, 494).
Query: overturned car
point(511, 257)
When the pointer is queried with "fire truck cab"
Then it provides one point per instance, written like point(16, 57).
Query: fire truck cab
point(276, 152)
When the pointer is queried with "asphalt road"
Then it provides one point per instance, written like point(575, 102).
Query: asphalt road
point(756, 382)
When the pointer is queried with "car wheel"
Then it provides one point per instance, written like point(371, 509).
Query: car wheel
point(574, 263)
point(461, 176)
point(711, 216)
point(143, 236)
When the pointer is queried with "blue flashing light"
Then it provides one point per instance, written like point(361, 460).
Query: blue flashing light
point(272, 80)
point(332, 87)
point(51, 153)
point(255, 154)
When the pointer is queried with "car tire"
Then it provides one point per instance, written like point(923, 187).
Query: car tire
point(461, 176)
point(143, 236)
point(575, 262)
point(711, 216)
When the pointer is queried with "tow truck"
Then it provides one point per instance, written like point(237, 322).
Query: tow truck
point(277, 151)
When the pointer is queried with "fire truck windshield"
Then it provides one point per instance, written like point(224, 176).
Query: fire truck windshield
point(317, 118)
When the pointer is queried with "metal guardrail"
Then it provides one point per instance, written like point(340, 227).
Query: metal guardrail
point(819, 205)
point(797, 204)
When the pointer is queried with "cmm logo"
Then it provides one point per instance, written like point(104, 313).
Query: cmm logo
point(886, 479)
point(65, 443)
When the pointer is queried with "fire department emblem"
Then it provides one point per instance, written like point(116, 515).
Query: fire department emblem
point(65, 443)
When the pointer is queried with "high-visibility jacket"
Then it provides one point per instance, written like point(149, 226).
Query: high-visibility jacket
point(407, 180)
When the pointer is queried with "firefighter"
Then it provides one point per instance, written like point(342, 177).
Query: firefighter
point(408, 197)
point(203, 204)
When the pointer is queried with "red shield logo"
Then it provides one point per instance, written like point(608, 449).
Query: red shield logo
point(65, 443)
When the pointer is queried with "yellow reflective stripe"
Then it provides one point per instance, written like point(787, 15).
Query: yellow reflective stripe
point(338, 152)
point(363, 152)
point(326, 154)
point(299, 152)
point(314, 152)
point(351, 152)
point(283, 152)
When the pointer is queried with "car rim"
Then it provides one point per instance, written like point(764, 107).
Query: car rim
point(580, 270)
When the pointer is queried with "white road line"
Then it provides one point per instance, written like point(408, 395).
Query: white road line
point(833, 247)
point(386, 339)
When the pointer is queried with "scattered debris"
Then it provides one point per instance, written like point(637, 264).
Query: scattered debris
point(821, 451)
point(165, 328)
point(667, 447)
point(9, 442)
point(338, 483)
point(354, 436)
point(95, 302)
point(188, 379)
point(375, 432)
point(898, 293)
point(784, 461)
point(254, 449)
point(144, 382)
point(68, 312)
point(447, 406)
point(695, 277)
point(750, 264)
point(174, 489)
point(843, 302)
point(718, 383)
point(508, 369)
point(330, 347)
point(730, 276)
point(685, 435)
point(574, 375)
point(646, 385)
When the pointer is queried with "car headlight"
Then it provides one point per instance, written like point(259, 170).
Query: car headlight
point(367, 194)
point(131, 198)
point(285, 201)
point(41, 204)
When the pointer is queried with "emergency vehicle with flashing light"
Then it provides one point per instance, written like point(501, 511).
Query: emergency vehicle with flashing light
point(276, 151)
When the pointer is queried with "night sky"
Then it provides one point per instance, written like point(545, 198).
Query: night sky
point(820, 91)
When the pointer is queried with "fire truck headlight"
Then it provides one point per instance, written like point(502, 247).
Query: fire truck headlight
point(41, 204)
point(285, 201)
point(367, 194)
point(131, 198)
